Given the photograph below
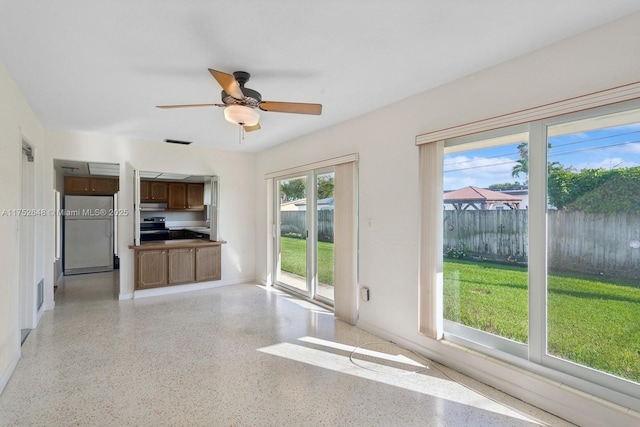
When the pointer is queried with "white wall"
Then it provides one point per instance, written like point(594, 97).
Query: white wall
point(237, 195)
point(17, 121)
point(388, 259)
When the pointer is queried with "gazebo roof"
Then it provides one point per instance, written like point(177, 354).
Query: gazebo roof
point(479, 195)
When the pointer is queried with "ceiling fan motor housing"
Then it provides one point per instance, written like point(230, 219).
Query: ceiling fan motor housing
point(252, 98)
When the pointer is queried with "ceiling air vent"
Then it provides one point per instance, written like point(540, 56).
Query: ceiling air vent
point(177, 141)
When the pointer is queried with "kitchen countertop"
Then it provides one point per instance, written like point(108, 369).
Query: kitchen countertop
point(203, 230)
point(180, 243)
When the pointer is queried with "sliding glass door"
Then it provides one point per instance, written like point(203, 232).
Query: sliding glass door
point(324, 232)
point(304, 234)
point(292, 235)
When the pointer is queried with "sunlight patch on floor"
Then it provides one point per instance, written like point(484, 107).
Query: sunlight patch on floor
point(441, 388)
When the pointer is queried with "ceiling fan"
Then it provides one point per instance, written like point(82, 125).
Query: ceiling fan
point(240, 103)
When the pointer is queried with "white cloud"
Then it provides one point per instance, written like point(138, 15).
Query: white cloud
point(633, 148)
point(608, 163)
point(462, 171)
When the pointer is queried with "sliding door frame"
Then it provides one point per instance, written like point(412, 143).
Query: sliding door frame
point(311, 234)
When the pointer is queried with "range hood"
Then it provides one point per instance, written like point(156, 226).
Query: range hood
point(151, 206)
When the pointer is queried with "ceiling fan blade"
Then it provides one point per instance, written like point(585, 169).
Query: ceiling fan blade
point(228, 83)
point(251, 128)
point(291, 107)
point(165, 107)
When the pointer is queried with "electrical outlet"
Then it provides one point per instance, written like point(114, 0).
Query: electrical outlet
point(364, 294)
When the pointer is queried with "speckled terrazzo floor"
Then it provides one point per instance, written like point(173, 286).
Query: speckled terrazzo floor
point(239, 355)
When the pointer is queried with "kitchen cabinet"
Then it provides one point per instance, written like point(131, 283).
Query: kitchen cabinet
point(195, 196)
point(181, 265)
point(151, 268)
point(153, 191)
point(174, 262)
point(177, 196)
point(208, 263)
point(90, 185)
point(186, 196)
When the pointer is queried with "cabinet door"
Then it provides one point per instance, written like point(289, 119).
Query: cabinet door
point(77, 185)
point(208, 263)
point(152, 268)
point(181, 265)
point(158, 191)
point(104, 186)
point(195, 196)
point(145, 191)
point(177, 196)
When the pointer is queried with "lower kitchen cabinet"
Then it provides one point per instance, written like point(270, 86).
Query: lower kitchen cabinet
point(166, 263)
point(151, 268)
point(182, 264)
point(208, 263)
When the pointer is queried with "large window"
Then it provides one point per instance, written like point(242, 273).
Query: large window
point(593, 243)
point(538, 246)
point(485, 243)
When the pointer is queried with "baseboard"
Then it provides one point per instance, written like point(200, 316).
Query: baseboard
point(125, 296)
point(6, 375)
point(552, 396)
point(168, 290)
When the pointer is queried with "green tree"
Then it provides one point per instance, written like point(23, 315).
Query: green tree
point(507, 186)
point(325, 186)
point(294, 189)
point(595, 190)
point(522, 166)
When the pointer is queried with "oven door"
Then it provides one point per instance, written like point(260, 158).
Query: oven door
point(153, 235)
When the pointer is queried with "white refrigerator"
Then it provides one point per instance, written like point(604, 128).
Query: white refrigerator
point(88, 234)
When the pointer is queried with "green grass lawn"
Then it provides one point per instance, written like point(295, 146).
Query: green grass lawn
point(595, 323)
point(294, 258)
point(590, 322)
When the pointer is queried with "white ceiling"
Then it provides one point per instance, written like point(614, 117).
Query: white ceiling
point(102, 65)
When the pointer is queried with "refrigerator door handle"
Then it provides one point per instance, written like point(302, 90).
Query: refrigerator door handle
point(58, 227)
point(115, 224)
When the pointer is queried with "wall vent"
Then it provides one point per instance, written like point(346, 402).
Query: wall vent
point(177, 141)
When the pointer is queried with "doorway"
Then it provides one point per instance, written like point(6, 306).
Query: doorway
point(87, 199)
point(305, 234)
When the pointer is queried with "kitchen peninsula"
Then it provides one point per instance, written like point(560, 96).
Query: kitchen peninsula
point(176, 262)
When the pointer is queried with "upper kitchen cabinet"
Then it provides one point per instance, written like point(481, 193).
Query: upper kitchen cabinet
point(186, 196)
point(195, 196)
point(90, 185)
point(153, 191)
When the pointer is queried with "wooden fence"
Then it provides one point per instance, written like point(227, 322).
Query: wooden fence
point(293, 224)
point(595, 243)
point(579, 242)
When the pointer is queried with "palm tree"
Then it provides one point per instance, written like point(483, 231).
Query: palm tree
point(522, 166)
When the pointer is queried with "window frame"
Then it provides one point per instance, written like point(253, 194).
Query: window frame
point(536, 359)
point(454, 331)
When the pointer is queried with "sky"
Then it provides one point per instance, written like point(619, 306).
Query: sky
point(609, 148)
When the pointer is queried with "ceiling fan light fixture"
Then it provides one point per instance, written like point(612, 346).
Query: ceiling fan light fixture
point(241, 115)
